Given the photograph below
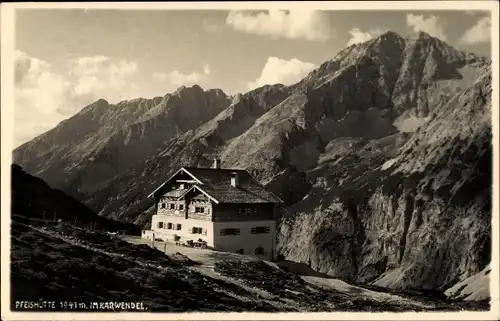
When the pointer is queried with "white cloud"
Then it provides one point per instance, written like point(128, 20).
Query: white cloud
point(37, 85)
point(43, 97)
point(479, 33)
point(293, 24)
point(177, 78)
point(281, 71)
point(432, 25)
point(103, 76)
point(358, 36)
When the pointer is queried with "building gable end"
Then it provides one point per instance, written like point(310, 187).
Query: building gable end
point(180, 171)
point(197, 188)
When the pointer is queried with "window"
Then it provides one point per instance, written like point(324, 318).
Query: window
point(178, 227)
point(169, 226)
point(199, 209)
point(230, 231)
point(259, 250)
point(181, 186)
point(197, 230)
point(163, 205)
point(241, 251)
point(160, 224)
point(260, 229)
point(181, 207)
point(172, 206)
point(247, 210)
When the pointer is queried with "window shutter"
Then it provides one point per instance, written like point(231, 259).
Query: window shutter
point(204, 231)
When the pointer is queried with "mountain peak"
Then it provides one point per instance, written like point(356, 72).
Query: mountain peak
point(391, 40)
point(390, 35)
point(101, 101)
point(183, 89)
point(217, 91)
point(423, 34)
point(96, 105)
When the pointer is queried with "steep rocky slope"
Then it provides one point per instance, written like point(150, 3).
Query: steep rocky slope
point(420, 218)
point(103, 139)
point(382, 154)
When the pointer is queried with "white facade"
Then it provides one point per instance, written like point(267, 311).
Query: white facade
point(256, 238)
point(252, 236)
point(186, 229)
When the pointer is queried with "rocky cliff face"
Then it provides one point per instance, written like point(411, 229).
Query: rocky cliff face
point(420, 218)
point(382, 155)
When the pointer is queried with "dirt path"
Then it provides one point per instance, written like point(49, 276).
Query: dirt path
point(208, 258)
point(204, 256)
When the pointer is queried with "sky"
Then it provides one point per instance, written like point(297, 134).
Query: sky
point(69, 58)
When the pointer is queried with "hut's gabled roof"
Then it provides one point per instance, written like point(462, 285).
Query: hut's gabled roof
point(216, 184)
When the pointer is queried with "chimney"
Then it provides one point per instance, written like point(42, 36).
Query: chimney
point(216, 163)
point(235, 182)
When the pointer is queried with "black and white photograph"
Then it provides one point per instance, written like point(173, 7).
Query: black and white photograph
point(275, 159)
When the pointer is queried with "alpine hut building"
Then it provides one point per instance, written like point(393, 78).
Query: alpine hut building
point(226, 208)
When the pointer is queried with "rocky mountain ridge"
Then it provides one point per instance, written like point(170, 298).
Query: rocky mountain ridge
point(368, 193)
point(104, 139)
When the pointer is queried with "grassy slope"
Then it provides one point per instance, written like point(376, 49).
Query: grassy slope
point(33, 198)
point(101, 268)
